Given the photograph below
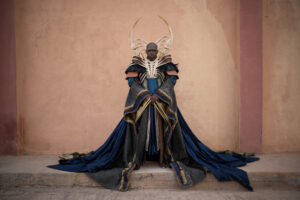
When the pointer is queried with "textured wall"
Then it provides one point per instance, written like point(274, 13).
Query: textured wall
point(281, 72)
point(71, 58)
point(8, 93)
point(250, 75)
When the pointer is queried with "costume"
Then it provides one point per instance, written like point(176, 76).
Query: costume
point(157, 129)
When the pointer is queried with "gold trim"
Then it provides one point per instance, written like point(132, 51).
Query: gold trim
point(133, 117)
point(130, 167)
point(161, 138)
point(161, 109)
point(141, 109)
point(181, 171)
point(171, 102)
point(139, 94)
point(166, 95)
point(182, 174)
point(164, 109)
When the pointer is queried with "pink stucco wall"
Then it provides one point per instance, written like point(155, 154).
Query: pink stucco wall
point(71, 58)
point(250, 75)
point(8, 93)
point(281, 72)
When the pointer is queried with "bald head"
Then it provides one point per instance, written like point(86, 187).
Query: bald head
point(151, 46)
point(151, 51)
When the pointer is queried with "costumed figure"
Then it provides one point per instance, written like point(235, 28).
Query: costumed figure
point(153, 128)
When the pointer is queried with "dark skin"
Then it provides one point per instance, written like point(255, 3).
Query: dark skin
point(151, 51)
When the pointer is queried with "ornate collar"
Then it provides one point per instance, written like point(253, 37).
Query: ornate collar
point(151, 66)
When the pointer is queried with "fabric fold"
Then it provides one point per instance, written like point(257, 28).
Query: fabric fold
point(221, 165)
point(124, 151)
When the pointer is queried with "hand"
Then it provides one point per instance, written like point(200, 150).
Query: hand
point(148, 96)
point(153, 98)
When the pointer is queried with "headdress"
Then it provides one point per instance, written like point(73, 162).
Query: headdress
point(138, 46)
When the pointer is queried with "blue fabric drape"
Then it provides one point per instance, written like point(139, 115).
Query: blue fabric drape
point(221, 165)
point(102, 158)
point(174, 78)
point(130, 80)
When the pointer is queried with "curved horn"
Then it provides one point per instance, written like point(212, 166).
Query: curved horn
point(137, 44)
point(170, 31)
point(166, 41)
point(131, 31)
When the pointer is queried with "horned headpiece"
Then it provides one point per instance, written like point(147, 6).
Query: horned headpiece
point(138, 46)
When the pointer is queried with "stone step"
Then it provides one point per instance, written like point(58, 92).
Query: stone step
point(275, 171)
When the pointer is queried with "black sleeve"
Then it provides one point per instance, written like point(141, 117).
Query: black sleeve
point(168, 67)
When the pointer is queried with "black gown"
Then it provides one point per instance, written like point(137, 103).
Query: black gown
point(124, 150)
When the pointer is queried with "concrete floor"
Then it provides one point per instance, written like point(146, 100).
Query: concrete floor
point(274, 176)
point(92, 193)
point(279, 162)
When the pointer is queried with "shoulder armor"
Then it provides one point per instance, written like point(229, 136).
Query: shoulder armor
point(168, 66)
point(135, 68)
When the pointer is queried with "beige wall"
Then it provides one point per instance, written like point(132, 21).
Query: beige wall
point(71, 58)
point(281, 76)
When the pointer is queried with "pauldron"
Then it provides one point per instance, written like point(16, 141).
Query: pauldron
point(151, 69)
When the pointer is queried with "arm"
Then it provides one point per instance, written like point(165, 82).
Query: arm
point(174, 75)
point(137, 98)
point(166, 102)
point(130, 77)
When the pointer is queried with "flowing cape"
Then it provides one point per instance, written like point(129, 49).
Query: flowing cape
point(111, 164)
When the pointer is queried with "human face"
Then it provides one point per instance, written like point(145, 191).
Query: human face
point(151, 51)
point(151, 54)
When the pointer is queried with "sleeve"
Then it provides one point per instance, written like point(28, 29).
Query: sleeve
point(133, 71)
point(130, 80)
point(167, 105)
point(136, 101)
point(170, 70)
point(174, 78)
point(173, 73)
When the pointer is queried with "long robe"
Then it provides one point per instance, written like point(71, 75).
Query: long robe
point(124, 150)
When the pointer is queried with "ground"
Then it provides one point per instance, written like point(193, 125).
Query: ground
point(94, 193)
point(275, 176)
